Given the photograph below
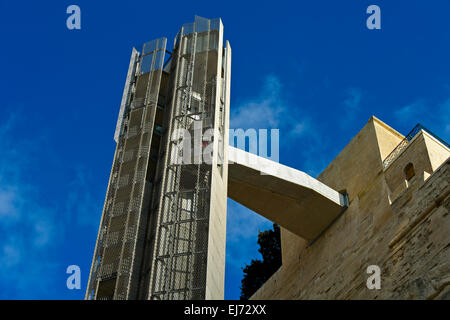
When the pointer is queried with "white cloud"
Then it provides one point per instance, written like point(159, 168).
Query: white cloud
point(81, 206)
point(351, 107)
point(27, 273)
point(10, 255)
point(43, 232)
point(411, 111)
point(8, 202)
point(34, 225)
point(28, 229)
point(434, 116)
point(269, 109)
point(352, 102)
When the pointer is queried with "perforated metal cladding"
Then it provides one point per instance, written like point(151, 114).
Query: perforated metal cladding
point(153, 239)
point(122, 232)
point(182, 242)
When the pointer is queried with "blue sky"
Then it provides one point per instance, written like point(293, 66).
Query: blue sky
point(309, 68)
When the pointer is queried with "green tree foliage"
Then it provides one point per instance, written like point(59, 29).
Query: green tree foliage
point(257, 272)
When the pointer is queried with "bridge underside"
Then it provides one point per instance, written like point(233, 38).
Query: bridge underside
point(286, 196)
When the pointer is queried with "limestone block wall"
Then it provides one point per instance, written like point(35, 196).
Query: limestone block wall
point(418, 264)
point(437, 152)
point(409, 238)
point(417, 153)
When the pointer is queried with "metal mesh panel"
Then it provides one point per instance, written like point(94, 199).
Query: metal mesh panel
point(170, 225)
point(126, 206)
point(181, 250)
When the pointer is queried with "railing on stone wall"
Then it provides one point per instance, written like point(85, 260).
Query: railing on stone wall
point(405, 142)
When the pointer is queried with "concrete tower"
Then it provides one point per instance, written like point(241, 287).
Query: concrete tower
point(162, 231)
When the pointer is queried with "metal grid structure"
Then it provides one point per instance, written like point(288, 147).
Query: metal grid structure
point(118, 253)
point(181, 250)
point(155, 227)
